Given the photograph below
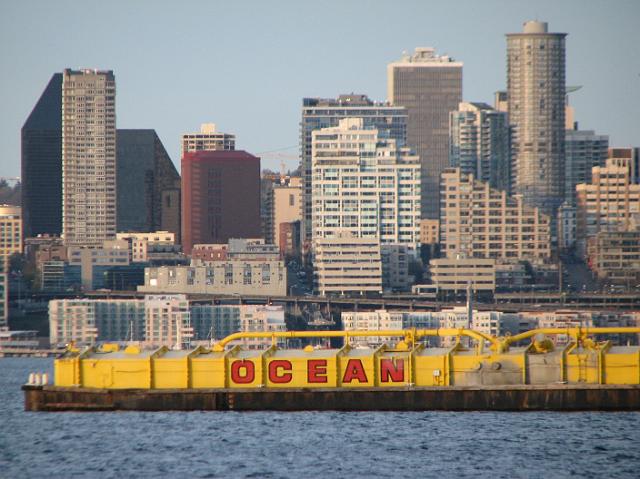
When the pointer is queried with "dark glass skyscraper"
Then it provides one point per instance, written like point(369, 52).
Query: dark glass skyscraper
point(42, 163)
point(148, 184)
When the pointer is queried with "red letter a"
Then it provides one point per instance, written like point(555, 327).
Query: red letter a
point(354, 370)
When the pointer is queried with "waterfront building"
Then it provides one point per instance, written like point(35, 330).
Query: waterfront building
point(41, 163)
point(365, 184)
point(479, 143)
point(318, 113)
point(245, 267)
point(494, 323)
point(536, 104)
point(88, 157)
point(346, 264)
point(158, 320)
point(284, 205)
point(208, 139)
point(609, 203)
point(148, 184)
point(167, 321)
point(88, 321)
point(583, 150)
point(614, 256)
point(220, 197)
point(455, 274)
point(429, 86)
point(479, 221)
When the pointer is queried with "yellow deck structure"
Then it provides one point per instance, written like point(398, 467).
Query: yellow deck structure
point(487, 361)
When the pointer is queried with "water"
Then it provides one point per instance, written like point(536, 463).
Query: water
point(308, 444)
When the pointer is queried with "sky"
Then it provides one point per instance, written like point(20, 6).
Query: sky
point(246, 65)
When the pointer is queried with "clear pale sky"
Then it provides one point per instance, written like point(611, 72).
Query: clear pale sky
point(247, 65)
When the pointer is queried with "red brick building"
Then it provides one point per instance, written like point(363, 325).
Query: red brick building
point(220, 197)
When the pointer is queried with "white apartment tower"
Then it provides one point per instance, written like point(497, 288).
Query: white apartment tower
point(365, 184)
point(88, 157)
point(209, 138)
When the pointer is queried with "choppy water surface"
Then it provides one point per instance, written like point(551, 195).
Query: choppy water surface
point(308, 444)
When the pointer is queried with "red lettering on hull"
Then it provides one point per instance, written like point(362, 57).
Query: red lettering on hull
point(354, 370)
point(392, 371)
point(317, 371)
point(249, 371)
point(280, 377)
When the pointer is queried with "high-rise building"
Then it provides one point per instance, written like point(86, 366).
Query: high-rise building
point(479, 143)
point(429, 86)
point(610, 202)
point(366, 184)
point(220, 197)
point(583, 150)
point(148, 184)
point(10, 231)
point(10, 243)
point(320, 113)
point(284, 205)
point(208, 139)
point(88, 156)
point(477, 221)
point(536, 103)
point(42, 163)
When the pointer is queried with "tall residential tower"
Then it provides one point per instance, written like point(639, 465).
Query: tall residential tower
point(429, 86)
point(320, 113)
point(536, 102)
point(88, 156)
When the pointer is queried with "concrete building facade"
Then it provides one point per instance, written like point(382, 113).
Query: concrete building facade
point(536, 102)
point(284, 205)
point(88, 157)
point(614, 256)
point(318, 113)
point(609, 203)
point(244, 267)
point(479, 221)
point(220, 197)
point(429, 86)
point(455, 274)
point(345, 264)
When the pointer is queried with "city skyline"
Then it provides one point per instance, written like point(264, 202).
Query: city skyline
point(186, 91)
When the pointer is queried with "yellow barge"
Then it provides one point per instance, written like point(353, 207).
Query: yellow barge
point(479, 372)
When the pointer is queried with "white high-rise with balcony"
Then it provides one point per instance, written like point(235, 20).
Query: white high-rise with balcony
point(364, 184)
point(88, 157)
